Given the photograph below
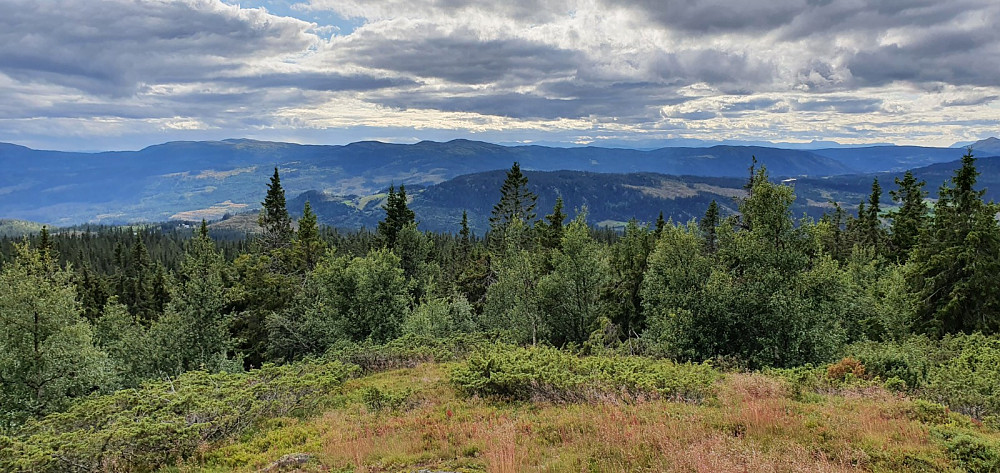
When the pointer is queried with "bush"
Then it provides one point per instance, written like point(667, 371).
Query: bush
point(377, 400)
point(542, 373)
point(974, 453)
point(164, 422)
point(844, 369)
point(959, 371)
point(405, 352)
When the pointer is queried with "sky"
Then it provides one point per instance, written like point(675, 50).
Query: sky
point(124, 74)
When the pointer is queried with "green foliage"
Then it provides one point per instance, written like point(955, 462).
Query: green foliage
point(127, 344)
point(542, 373)
point(167, 421)
point(551, 229)
point(957, 260)
point(516, 203)
point(974, 453)
point(275, 223)
point(628, 259)
point(194, 330)
point(911, 218)
point(570, 295)
point(765, 297)
point(378, 400)
point(511, 305)
point(47, 355)
point(308, 246)
point(406, 351)
point(343, 298)
point(959, 371)
point(397, 216)
point(439, 317)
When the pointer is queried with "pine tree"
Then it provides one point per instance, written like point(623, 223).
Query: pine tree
point(660, 223)
point(551, 229)
point(707, 225)
point(45, 247)
point(516, 201)
point(274, 221)
point(397, 216)
point(873, 235)
point(465, 235)
point(956, 261)
point(308, 245)
point(911, 218)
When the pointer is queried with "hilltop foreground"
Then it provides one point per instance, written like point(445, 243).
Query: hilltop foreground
point(447, 406)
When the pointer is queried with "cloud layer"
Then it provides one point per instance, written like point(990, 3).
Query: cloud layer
point(121, 73)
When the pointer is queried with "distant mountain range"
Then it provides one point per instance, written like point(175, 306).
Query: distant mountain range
point(194, 180)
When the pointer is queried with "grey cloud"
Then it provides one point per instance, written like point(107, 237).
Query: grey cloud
point(712, 16)
point(460, 57)
point(113, 47)
point(751, 105)
point(513, 105)
point(711, 66)
point(839, 105)
point(970, 101)
point(953, 57)
point(321, 81)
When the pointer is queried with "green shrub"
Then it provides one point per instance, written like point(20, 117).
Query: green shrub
point(974, 453)
point(406, 352)
point(895, 384)
point(959, 371)
point(928, 412)
point(163, 422)
point(377, 400)
point(542, 373)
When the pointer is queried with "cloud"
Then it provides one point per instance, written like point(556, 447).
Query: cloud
point(915, 71)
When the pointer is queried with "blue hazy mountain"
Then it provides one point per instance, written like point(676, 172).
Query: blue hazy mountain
point(192, 180)
point(612, 199)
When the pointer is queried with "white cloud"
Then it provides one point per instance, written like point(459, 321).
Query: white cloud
point(911, 71)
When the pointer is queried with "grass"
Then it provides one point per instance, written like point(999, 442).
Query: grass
point(752, 422)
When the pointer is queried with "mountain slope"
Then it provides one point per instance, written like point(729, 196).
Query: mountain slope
point(207, 179)
point(612, 199)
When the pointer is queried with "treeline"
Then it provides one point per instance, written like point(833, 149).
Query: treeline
point(96, 311)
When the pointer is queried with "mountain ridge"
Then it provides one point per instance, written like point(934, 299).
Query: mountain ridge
point(211, 178)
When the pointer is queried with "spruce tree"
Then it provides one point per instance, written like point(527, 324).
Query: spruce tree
point(871, 223)
point(660, 223)
point(911, 218)
point(397, 216)
point(308, 245)
point(551, 229)
point(957, 260)
point(274, 221)
point(516, 201)
point(465, 235)
point(707, 225)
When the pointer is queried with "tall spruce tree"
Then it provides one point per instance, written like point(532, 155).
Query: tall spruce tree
point(660, 223)
point(957, 260)
point(551, 230)
point(308, 245)
point(911, 218)
point(397, 216)
point(707, 225)
point(464, 234)
point(274, 221)
point(871, 224)
point(516, 201)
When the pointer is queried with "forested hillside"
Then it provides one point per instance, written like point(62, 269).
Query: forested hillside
point(193, 180)
point(862, 339)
